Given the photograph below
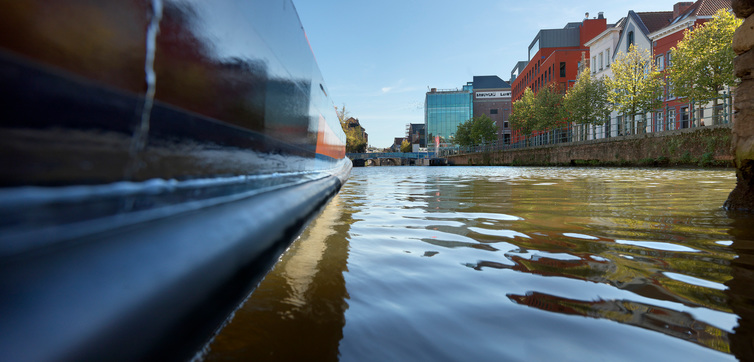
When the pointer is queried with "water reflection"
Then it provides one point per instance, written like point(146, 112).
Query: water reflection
point(526, 263)
point(664, 320)
point(301, 301)
point(740, 292)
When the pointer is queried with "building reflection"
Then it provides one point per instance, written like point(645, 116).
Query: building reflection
point(740, 292)
point(658, 319)
point(625, 267)
point(297, 312)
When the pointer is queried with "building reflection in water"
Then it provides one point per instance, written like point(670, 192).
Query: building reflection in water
point(741, 287)
point(667, 321)
point(297, 312)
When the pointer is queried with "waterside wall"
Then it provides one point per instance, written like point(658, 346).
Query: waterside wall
point(742, 197)
point(706, 146)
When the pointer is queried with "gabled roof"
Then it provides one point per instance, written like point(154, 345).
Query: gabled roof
point(654, 21)
point(619, 23)
point(703, 8)
point(710, 7)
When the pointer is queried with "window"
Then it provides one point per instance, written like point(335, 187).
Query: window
point(601, 61)
point(607, 57)
point(701, 117)
point(594, 65)
point(629, 41)
point(493, 111)
point(505, 124)
point(684, 117)
point(562, 69)
point(670, 90)
point(660, 62)
point(671, 119)
point(670, 59)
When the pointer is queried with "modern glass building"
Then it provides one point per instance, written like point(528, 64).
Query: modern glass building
point(444, 110)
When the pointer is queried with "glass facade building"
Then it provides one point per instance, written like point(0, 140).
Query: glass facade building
point(444, 111)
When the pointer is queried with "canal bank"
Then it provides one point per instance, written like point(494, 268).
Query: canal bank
point(706, 146)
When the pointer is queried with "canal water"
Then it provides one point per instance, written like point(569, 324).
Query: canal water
point(510, 264)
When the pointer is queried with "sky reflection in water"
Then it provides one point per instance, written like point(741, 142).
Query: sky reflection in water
point(499, 263)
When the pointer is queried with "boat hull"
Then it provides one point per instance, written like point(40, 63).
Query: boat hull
point(157, 157)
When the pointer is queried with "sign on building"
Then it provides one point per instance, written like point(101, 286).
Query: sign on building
point(496, 94)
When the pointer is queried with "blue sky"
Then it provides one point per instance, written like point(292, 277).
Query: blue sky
point(380, 57)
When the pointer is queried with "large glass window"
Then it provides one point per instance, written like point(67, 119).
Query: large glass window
point(534, 48)
point(444, 112)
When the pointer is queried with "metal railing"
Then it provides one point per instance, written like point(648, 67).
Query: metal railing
point(407, 155)
point(668, 118)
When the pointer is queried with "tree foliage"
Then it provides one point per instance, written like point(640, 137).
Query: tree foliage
point(548, 108)
point(475, 131)
point(538, 112)
point(343, 115)
point(702, 63)
point(636, 85)
point(586, 102)
point(355, 140)
point(405, 146)
point(522, 116)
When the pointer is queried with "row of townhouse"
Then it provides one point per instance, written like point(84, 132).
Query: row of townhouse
point(555, 56)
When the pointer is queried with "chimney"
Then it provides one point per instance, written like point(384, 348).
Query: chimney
point(600, 15)
point(680, 8)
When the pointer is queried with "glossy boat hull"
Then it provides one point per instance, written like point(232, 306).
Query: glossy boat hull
point(157, 157)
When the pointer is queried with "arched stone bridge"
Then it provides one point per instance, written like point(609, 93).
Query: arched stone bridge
point(390, 158)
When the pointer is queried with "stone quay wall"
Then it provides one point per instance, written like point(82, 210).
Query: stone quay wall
point(705, 146)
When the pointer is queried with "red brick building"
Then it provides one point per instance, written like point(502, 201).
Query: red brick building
point(554, 55)
point(676, 112)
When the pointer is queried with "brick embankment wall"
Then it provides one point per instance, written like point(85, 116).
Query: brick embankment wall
point(706, 146)
point(742, 197)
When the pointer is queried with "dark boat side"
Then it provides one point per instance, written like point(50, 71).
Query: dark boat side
point(157, 158)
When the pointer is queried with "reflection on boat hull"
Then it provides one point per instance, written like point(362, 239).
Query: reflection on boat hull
point(157, 158)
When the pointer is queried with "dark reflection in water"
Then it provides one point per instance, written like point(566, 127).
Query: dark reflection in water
point(297, 312)
point(498, 263)
point(741, 286)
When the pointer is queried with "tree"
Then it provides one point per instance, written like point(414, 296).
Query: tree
point(343, 115)
point(405, 146)
point(636, 86)
point(463, 134)
point(548, 108)
point(522, 116)
point(355, 140)
point(703, 60)
point(476, 131)
point(586, 102)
